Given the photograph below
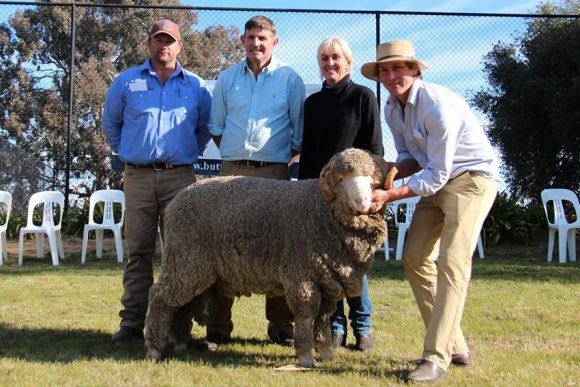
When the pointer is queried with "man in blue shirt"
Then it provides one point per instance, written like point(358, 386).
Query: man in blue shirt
point(256, 121)
point(155, 118)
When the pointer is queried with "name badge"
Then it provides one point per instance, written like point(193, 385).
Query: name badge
point(138, 85)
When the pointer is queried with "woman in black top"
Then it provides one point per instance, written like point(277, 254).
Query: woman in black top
point(341, 115)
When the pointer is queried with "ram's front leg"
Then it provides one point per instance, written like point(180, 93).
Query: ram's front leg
point(322, 333)
point(304, 302)
point(157, 322)
point(304, 340)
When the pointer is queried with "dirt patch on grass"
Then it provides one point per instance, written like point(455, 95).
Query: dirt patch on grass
point(72, 247)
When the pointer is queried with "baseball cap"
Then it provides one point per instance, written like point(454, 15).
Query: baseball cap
point(165, 27)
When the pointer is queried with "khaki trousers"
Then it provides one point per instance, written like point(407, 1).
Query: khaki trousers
point(278, 313)
point(437, 259)
point(147, 193)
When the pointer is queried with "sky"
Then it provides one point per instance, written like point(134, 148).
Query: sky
point(438, 52)
point(461, 6)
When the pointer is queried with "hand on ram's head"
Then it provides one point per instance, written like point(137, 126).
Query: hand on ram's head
point(379, 196)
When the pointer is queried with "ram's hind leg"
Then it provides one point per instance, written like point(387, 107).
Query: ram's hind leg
point(157, 322)
point(200, 309)
point(322, 334)
point(181, 326)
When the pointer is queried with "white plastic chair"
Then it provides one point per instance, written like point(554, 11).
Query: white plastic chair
point(6, 199)
point(566, 230)
point(480, 247)
point(386, 248)
point(108, 198)
point(50, 200)
point(404, 225)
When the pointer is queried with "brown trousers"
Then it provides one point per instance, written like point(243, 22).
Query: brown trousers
point(147, 193)
point(437, 259)
point(278, 314)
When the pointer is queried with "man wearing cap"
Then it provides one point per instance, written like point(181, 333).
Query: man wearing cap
point(155, 118)
point(449, 162)
point(256, 121)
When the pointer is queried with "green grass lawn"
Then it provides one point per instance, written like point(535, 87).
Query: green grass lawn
point(522, 320)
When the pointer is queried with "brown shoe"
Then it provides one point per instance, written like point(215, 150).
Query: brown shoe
point(364, 343)
point(426, 371)
point(462, 359)
point(284, 338)
point(126, 334)
point(212, 341)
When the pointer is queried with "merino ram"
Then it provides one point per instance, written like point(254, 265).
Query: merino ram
point(311, 240)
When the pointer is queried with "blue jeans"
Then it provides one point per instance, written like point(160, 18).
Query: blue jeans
point(359, 314)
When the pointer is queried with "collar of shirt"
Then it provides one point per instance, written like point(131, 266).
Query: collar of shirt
point(268, 70)
point(147, 68)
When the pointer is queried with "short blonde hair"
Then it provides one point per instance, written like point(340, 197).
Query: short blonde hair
point(337, 44)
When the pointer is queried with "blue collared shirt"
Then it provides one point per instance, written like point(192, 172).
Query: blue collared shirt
point(146, 122)
point(259, 119)
point(440, 131)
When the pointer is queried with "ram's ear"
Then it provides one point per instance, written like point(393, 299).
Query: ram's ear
point(325, 181)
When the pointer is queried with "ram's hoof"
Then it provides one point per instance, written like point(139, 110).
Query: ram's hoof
point(306, 361)
point(153, 354)
point(325, 354)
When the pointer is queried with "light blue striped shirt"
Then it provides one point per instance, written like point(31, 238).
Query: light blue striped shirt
point(258, 119)
point(146, 122)
point(440, 131)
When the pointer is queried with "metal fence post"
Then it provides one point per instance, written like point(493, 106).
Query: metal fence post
point(70, 107)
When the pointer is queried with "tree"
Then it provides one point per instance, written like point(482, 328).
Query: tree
point(35, 68)
point(532, 102)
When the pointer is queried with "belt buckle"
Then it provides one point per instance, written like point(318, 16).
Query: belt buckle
point(163, 166)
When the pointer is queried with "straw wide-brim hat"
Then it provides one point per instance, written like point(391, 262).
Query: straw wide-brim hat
point(394, 50)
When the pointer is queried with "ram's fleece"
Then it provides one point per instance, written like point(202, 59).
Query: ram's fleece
point(309, 240)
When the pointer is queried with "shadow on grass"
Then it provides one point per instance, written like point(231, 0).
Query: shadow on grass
point(64, 346)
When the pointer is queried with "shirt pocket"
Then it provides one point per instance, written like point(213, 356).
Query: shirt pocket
point(186, 109)
point(238, 100)
point(141, 106)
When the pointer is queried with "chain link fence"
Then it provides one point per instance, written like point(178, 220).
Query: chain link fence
point(22, 175)
point(454, 45)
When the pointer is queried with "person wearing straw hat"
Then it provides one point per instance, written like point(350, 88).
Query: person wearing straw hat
point(447, 159)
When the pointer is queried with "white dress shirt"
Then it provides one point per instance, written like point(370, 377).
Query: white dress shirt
point(440, 131)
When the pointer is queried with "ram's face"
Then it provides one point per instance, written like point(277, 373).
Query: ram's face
point(359, 190)
point(351, 176)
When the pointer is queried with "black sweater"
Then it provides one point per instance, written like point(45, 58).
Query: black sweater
point(335, 119)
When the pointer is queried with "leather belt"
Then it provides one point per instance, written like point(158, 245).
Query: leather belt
point(254, 163)
point(156, 166)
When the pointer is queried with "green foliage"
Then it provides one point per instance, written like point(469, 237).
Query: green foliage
point(15, 222)
point(531, 102)
point(35, 56)
point(509, 222)
point(18, 220)
point(76, 218)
